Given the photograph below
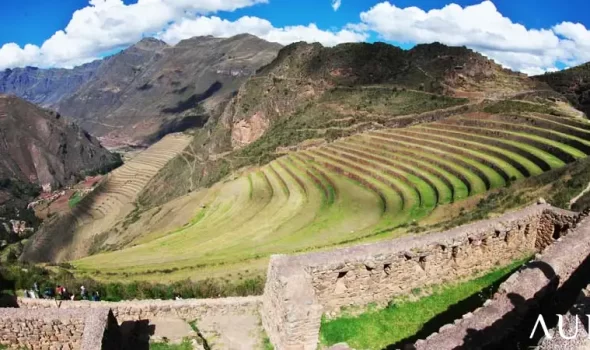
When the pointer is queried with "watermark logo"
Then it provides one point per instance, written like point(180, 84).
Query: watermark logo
point(561, 327)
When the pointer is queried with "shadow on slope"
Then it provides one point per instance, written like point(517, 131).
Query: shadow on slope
point(194, 100)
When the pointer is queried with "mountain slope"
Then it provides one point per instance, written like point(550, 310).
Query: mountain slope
point(45, 87)
point(151, 89)
point(40, 148)
point(311, 92)
point(148, 90)
point(573, 83)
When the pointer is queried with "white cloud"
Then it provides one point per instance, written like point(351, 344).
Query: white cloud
point(187, 28)
point(107, 24)
point(483, 28)
point(336, 4)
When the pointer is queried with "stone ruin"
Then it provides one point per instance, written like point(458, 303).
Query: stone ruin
point(301, 289)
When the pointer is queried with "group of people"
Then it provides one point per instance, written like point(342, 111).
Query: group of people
point(61, 293)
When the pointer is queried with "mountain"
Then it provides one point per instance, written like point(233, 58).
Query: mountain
point(45, 87)
point(573, 83)
point(40, 148)
point(316, 94)
point(148, 90)
point(152, 89)
point(303, 72)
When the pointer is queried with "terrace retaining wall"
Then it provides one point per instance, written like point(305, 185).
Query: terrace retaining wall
point(300, 289)
point(523, 291)
point(50, 329)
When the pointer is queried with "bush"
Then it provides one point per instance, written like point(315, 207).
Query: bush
point(23, 276)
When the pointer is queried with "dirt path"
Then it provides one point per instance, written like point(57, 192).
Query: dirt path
point(576, 198)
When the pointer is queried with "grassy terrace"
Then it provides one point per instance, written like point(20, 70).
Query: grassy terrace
point(406, 320)
point(365, 187)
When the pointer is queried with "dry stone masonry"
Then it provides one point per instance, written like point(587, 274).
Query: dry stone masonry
point(189, 309)
point(543, 276)
point(51, 329)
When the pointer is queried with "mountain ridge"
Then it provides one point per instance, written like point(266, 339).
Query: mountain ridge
point(147, 90)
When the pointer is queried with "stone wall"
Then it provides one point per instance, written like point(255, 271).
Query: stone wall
point(300, 289)
point(522, 292)
point(188, 309)
point(50, 329)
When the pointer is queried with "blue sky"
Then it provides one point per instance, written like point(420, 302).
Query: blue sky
point(526, 35)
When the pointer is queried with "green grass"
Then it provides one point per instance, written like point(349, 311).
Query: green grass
point(75, 199)
point(266, 344)
point(403, 319)
point(185, 345)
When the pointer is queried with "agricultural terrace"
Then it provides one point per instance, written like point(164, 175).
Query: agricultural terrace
point(112, 198)
point(352, 190)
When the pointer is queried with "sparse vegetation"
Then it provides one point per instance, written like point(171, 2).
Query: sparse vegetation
point(509, 106)
point(20, 277)
point(185, 345)
point(74, 199)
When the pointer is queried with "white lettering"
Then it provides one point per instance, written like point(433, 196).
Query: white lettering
point(541, 320)
point(560, 326)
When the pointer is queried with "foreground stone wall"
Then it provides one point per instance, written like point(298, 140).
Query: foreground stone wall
point(188, 309)
point(300, 288)
point(500, 316)
point(57, 329)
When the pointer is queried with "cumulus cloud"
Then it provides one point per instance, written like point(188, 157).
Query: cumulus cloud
point(189, 27)
point(336, 4)
point(483, 28)
point(104, 25)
